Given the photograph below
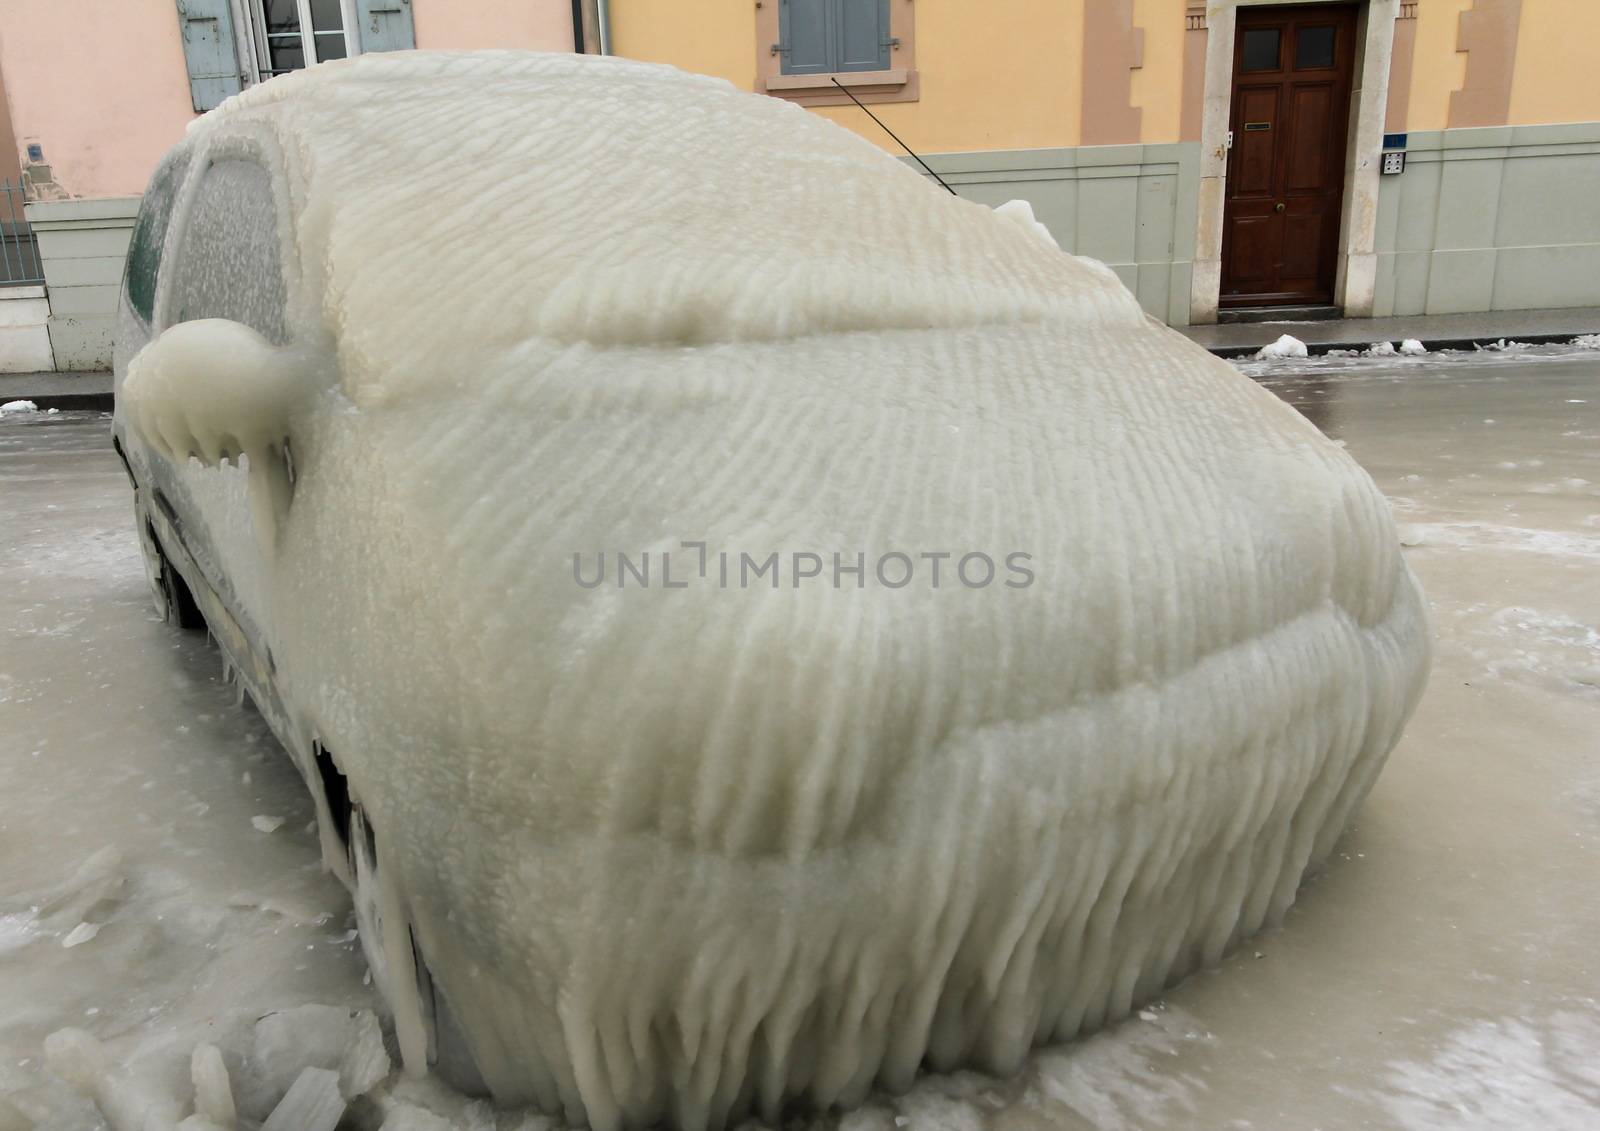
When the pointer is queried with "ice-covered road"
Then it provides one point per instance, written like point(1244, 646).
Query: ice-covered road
point(1442, 973)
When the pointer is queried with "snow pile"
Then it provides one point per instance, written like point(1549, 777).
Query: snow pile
point(1381, 349)
point(687, 854)
point(17, 408)
point(1412, 348)
point(1587, 341)
point(1284, 347)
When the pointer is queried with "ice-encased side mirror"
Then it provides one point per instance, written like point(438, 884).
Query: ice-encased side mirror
point(216, 390)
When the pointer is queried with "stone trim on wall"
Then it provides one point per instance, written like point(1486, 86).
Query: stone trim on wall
point(1487, 35)
point(1112, 49)
point(1194, 72)
point(1401, 67)
point(1357, 260)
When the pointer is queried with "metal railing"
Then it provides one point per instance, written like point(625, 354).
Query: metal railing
point(20, 265)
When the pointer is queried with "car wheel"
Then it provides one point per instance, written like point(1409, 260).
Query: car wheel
point(174, 598)
point(427, 1029)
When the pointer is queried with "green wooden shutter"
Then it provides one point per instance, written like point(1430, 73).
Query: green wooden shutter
point(805, 35)
point(208, 49)
point(863, 35)
point(385, 25)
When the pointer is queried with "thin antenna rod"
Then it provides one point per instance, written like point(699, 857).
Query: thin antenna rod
point(896, 137)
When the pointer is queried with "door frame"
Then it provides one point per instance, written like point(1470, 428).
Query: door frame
point(1356, 274)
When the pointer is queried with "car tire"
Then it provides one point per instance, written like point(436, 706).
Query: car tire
point(176, 599)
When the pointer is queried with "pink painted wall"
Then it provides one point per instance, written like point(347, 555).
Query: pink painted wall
point(531, 25)
point(100, 84)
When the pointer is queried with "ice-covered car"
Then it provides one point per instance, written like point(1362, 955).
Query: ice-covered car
point(565, 451)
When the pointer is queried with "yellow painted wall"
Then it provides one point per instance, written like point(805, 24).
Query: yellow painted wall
point(1438, 68)
point(1158, 84)
point(710, 37)
point(967, 101)
point(1556, 77)
point(1034, 100)
point(1007, 74)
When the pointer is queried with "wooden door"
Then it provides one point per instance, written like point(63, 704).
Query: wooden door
point(1291, 105)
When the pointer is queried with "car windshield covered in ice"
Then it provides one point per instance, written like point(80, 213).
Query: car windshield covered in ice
point(755, 626)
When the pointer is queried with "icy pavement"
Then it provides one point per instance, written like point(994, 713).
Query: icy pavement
point(160, 888)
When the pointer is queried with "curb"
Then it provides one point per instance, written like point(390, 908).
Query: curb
point(1316, 349)
point(70, 402)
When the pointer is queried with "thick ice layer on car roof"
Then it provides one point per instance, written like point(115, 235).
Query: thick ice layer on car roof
point(694, 851)
point(493, 198)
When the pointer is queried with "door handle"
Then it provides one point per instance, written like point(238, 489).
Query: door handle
point(1278, 207)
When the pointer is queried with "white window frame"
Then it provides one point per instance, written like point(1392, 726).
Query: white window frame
point(254, 59)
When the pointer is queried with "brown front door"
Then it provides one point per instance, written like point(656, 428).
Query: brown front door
point(1291, 104)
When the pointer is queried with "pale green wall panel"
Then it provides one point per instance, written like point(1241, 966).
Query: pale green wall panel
point(1497, 218)
point(1131, 206)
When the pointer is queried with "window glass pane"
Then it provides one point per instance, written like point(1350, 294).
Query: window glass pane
point(149, 233)
point(326, 16)
point(1260, 49)
point(287, 54)
point(282, 15)
point(330, 45)
point(1313, 48)
point(228, 263)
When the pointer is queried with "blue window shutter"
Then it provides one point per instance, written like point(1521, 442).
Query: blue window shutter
point(385, 25)
point(863, 35)
point(208, 49)
point(806, 34)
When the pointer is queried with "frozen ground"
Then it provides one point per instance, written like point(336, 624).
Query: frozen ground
point(1442, 973)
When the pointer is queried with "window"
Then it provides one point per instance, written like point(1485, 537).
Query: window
point(228, 262)
point(1314, 48)
point(291, 34)
point(803, 44)
point(150, 233)
point(231, 44)
point(1260, 49)
point(833, 36)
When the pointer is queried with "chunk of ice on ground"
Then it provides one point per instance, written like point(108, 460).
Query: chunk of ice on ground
point(1413, 348)
point(17, 408)
point(410, 1118)
point(80, 934)
point(1381, 349)
point(365, 1061)
point(213, 1094)
point(312, 1103)
point(1286, 346)
point(80, 1059)
point(349, 1044)
point(267, 824)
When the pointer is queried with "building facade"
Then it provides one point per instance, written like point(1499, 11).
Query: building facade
point(1380, 157)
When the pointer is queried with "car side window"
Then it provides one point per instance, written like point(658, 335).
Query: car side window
point(228, 262)
point(150, 234)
